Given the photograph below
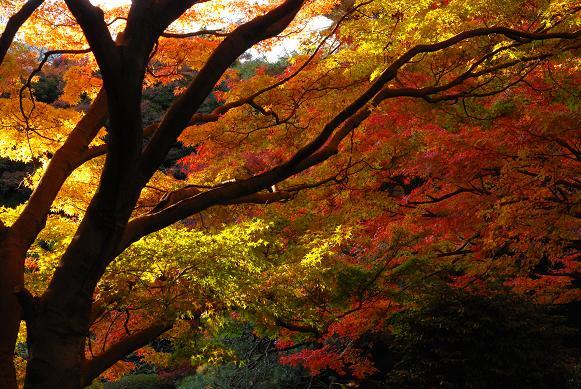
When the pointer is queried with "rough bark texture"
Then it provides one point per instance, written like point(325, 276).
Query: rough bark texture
point(12, 278)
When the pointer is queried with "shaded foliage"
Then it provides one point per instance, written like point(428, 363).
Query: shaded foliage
point(139, 381)
point(12, 175)
point(48, 87)
point(456, 339)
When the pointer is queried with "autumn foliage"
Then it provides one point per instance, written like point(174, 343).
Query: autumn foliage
point(322, 180)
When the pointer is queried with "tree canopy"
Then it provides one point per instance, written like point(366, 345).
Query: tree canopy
point(166, 181)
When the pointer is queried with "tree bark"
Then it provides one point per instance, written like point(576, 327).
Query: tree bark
point(60, 321)
point(11, 249)
point(56, 347)
point(11, 280)
point(16, 240)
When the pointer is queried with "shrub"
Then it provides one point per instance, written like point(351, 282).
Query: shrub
point(139, 381)
point(455, 339)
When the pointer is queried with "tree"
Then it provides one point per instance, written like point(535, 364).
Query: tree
point(422, 61)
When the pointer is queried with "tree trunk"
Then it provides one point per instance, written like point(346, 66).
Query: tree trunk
point(55, 361)
point(11, 281)
point(56, 341)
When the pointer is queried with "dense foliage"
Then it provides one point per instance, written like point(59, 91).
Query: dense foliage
point(459, 340)
point(288, 194)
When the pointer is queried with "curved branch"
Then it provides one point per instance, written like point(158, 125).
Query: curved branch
point(202, 118)
point(97, 365)
point(177, 35)
point(14, 23)
point(235, 44)
point(92, 22)
point(326, 143)
point(64, 161)
point(28, 84)
point(297, 327)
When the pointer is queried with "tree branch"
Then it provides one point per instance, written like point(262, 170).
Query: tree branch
point(235, 44)
point(14, 23)
point(178, 35)
point(326, 143)
point(92, 22)
point(97, 365)
point(202, 118)
point(298, 328)
point(64, 161)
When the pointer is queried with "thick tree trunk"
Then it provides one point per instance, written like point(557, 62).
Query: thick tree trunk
point(56, 360)
point(11, 281)
point(58, 322)
point(14, 241)
point(56, 340)
point(11, 256)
